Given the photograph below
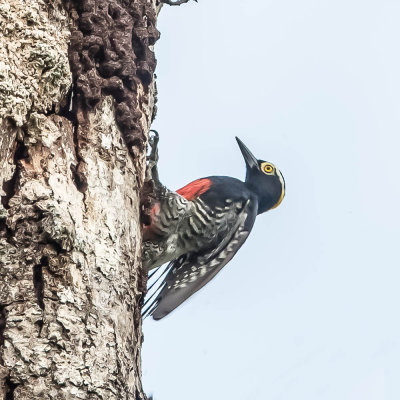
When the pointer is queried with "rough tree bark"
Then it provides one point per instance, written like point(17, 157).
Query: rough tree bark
point(77, 98)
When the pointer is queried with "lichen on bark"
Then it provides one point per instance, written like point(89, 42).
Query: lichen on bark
point(73, 131)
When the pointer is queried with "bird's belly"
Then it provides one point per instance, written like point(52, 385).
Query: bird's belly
point(198, 230)
point(157, 253)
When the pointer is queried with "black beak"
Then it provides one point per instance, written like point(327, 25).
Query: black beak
point(251, 161)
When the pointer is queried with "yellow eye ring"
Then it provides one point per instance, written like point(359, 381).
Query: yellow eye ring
point(268, 168)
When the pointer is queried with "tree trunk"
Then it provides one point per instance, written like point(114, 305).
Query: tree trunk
point(76, 102)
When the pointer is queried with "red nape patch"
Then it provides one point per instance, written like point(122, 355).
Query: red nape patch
point(195, 189)
point(149, 231)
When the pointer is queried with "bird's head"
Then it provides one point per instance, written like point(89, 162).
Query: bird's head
point(264, 179)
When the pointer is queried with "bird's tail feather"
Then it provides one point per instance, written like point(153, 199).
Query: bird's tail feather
point(152, 296)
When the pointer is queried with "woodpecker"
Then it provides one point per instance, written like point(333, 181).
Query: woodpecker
point(200, 227)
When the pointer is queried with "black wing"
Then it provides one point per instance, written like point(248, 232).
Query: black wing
point(190, 272)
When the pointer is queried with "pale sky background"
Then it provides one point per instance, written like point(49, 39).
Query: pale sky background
point(309, 307)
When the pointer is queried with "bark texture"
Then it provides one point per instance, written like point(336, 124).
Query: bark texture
point(77, 98)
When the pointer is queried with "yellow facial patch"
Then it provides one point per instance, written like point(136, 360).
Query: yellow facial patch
point(267, 168)
point(278, 173)
point(280, 198)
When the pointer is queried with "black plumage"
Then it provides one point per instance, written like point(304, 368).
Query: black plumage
point(199, 228)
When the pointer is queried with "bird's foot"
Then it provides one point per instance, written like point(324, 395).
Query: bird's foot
point(153, 143)
point(152, 159)
point(175, 2)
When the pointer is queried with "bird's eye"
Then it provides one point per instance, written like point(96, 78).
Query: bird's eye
point(268, 168)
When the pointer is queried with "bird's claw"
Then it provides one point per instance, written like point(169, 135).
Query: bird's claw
point(153, 139)
point(152, 158)
point(175, 2)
